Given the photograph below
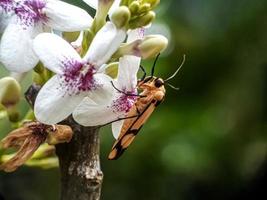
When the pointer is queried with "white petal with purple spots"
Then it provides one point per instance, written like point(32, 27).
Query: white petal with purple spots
point(26, 18)
point(53, 103)
point(55, 53)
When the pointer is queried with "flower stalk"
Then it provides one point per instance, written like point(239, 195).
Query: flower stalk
point(81, 175)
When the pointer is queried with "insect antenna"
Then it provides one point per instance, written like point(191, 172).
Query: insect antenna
point(154, 65)
point(127, 94)
point(144, 71)
point(173, 87)
point(176, 72)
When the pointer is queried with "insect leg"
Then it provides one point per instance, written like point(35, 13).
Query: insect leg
point(127, 94)
point(119, 119)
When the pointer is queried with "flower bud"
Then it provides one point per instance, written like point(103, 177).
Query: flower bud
point(9, 91)
point(144, 7)
point(61, 134)
point(142, 20)
point(153, 3)
point(152, 45)
point(121, 16)
point(134, 7)
point(147, 48)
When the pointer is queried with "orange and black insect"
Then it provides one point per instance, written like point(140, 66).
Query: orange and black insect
point(153, 93)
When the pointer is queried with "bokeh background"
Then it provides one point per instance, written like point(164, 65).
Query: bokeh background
point(206, 141)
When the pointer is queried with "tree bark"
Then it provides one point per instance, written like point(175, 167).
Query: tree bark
point(81, 175)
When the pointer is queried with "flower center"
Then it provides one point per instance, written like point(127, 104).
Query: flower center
point(78, 77)
point(124, 102)
point(29, 11)
point(6, 5)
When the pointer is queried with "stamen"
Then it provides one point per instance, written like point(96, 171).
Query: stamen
point(29, 12)
point(6, 5)
point(78, 77)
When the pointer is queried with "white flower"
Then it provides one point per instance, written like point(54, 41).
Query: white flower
point(94, 4)
point(25, 19)
point(90, 113)
point(75, 78)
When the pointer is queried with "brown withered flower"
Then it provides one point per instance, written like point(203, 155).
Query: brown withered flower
point(28, 138)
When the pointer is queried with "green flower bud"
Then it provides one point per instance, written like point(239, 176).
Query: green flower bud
point(147, 48)
point(134, 7)
point(9, 91)
point(13, 114)
point(121, 16)
point(144, 8)
point(142, 20)
point(152, 45)
point(153, 3)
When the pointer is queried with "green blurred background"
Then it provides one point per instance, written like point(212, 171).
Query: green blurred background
point(206, 141)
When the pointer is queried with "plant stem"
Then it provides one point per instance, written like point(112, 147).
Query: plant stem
point(81, 176)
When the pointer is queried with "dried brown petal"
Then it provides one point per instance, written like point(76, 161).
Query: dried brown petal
point(28, 139)
point(29, 146)
point(16, 138)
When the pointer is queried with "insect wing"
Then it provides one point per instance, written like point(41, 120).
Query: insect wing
point(131, 127)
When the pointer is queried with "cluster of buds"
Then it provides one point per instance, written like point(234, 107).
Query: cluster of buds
point(83, 78)
point(141, 13)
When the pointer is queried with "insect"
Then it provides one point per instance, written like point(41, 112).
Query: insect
point(153, 93)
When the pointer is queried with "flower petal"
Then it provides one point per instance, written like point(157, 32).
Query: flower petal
point(53, 51)
point(88, 113)
point(53, 104)
point(65, 17)
point(95, 110)
point(136, 34)
point(127, 72)
point(104, 44)
point(116, 128)
point(129, 65)
point(16, 51)
point(104, 93)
